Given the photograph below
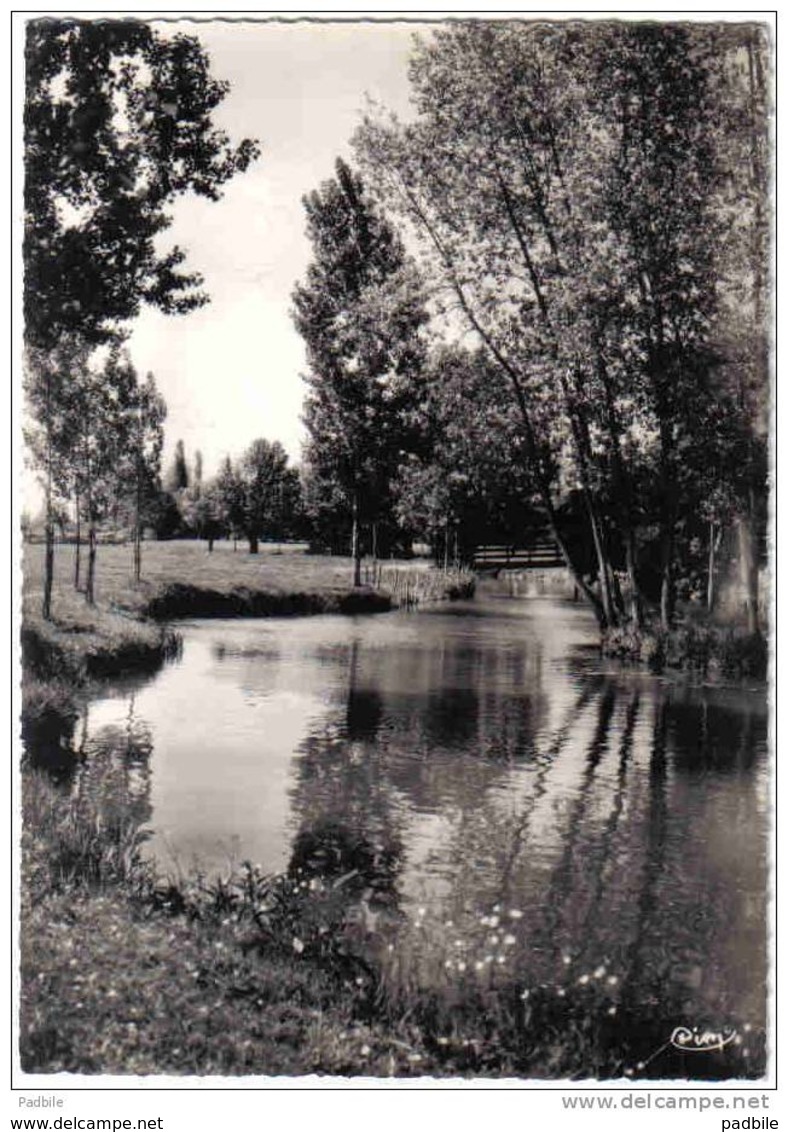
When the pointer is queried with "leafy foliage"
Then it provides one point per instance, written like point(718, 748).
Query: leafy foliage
point(569, 186)
point(117, 126)
point(360, 312)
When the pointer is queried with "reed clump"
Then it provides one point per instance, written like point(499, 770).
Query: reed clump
point(410, 586)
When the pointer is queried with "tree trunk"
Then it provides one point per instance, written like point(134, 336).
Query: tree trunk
point(577, 578)
point(579, 429)
point(78, 545)
point(49, 535)
point(374, 541)
point(90, 594)
point(138, 527)
point(355, 549)
point(254, 545)
point(603, 566)
point(710, 587)
point(623, 492)
point(635, 597)
point(137, 552)
point(210, 544)
point(666, 592)
point(49, 565)
point(748, 568)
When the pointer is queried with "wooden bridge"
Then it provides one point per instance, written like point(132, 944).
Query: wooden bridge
point(538, 551)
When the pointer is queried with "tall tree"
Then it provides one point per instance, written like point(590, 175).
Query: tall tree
point(265, 477)
point(360, 312)
point(103, 442)
point(468, 486)
point(178, 476)
point(117, 125)
point(561, 181)
point(229, 493)
point(142, 412)
point(53, 383)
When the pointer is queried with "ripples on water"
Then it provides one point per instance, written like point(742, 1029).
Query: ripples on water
point(508, 798)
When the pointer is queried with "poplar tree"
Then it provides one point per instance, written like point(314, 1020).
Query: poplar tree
point(360, 312)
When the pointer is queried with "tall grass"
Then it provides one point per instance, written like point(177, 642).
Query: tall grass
point(69, 841)
point(411, 586)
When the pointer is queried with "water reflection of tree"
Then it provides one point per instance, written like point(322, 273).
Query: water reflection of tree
point(607, 856)
point(430, 731)
point(708, 735)
point(114, 772)
point(575, 889)
point(54, 739)
point(349, 819)
point(639, 890)
point(522, 827)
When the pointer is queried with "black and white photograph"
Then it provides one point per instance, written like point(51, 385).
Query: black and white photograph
point(395, 493)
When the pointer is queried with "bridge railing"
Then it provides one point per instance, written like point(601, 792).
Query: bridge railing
point(541, 554)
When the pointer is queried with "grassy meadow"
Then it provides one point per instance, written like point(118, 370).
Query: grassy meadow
point(278, 569)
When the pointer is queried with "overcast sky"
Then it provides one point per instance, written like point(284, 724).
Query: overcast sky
point(231, 371)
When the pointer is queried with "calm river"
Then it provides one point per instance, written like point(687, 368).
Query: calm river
point(524, 802)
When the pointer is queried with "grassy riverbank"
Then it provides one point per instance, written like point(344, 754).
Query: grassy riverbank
point(181, 579)
point(126, 972)
point(122, 632)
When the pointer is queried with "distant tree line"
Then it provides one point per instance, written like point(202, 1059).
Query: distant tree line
point(253, 498)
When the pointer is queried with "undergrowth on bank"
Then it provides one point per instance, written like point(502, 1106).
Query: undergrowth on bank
point(128, 971)
point(699, 649)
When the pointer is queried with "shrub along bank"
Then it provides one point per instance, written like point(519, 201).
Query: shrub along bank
point(705, 650)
